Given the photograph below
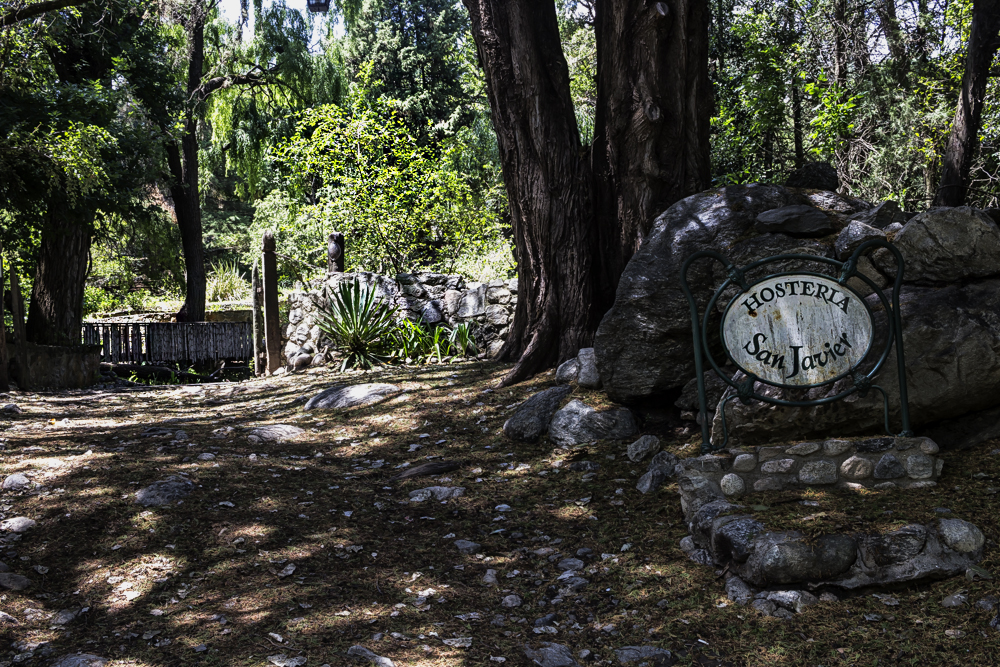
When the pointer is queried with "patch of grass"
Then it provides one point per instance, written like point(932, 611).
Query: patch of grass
point(365, 557)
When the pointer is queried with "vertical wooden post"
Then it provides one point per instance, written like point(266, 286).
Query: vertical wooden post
point(17, 307)
point(4, 381)
point(335, 253)
point(272, 327)
point(259, 351)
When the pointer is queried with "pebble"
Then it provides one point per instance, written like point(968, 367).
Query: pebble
point(18, 524)
point(956, 600)
point(16, 482)
point(207, 456)
point(511, 601)
point(490, 578)
point(467, 546)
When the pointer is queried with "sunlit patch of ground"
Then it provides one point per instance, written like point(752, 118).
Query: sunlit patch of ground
point(372, 568)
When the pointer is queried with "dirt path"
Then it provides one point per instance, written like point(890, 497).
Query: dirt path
point(305, 548)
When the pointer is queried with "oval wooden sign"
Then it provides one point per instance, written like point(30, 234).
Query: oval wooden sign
point(797, 330)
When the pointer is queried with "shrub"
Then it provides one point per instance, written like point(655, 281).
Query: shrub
point(227, 283)
point(360, 324)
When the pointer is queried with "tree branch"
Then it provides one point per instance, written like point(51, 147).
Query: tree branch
point(19, 15)
point(250, 78)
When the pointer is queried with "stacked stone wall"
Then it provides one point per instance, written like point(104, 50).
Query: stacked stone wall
point(880, 463)
point(434, 298)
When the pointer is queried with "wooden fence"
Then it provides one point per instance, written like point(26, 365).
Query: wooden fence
point(157, 342)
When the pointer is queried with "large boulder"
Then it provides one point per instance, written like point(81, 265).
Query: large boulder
point(951, 338)
point(643, 344)
point(531, 419)
point(578, 423)
point(945, 245)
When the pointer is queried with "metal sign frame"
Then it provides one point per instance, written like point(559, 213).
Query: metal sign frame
point(861, 381)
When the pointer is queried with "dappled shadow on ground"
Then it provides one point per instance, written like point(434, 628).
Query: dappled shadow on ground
point(208, 580)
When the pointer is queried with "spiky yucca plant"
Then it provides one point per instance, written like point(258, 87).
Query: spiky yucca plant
point(360, 324)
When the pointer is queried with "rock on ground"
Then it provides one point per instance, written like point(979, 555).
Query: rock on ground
point(16, 482)
point(359, 651)
point(628, 654)
point(437, 492)
point(467, 546)
point(645, 446)
point(531, 419)
point(80, 660)
point(587, 375)
point(551, 655)
point(350, 396)
point(13, 582)
point(578, 423)
point(18, 524)
point(165, 491)
point(568, 371)
point(276, 432)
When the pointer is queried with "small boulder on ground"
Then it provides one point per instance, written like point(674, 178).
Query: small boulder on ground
point(587, 376)
point(436, 492)
point(467, 546)
point(277, 433)
point(629, 654)
point(359, 651)
point(645, 446)
point(80, 660)
point(16, 482)
point(568, 371)
point(531, 419)
point(13, 582)
point(17, 524)
point(164, 491)
point(578, 423)
point(350, 396)
point(549, 654)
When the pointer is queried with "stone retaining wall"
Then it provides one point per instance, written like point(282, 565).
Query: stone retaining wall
point(880, 463)
point(435, 298)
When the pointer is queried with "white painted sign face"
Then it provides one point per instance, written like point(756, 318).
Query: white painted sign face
point(797, 330)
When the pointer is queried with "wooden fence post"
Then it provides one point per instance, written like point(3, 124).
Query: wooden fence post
point(4, 381)
point(259, 351)
point(272, 327)
point(335, 253)
point(17, 307)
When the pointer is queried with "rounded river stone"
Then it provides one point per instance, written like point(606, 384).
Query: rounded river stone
point(778, 466)
point(744, 462)
point(818, 472)
point(919, 466)
point(856, 467)
point(961, 535)
point(733, 485)
point(889, 467)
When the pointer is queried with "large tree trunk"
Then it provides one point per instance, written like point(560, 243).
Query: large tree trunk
point(55, 315)
point(183, 163)
point(984, 40)
point(547, 179)
point(651, 138)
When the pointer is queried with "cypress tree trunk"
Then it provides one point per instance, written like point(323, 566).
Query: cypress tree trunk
point(55, 314)
point(651, 138)
point(547, 178)
point(984, 40)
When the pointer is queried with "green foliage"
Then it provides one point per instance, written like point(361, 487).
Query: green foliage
point(411, 49)
point(417, 342)
point(579, 45)
point(360, 324)
point(400, 205)
point(227, 283)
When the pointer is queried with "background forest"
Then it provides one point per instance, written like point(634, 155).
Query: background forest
point(373, 120)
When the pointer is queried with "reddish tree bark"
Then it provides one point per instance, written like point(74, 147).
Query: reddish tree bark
point(984, 40)
point(547, 179)
point(651, 143)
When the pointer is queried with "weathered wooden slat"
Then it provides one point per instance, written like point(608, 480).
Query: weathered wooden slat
point(171, 342)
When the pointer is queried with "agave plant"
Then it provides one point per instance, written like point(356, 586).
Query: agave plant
point(360, 324)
